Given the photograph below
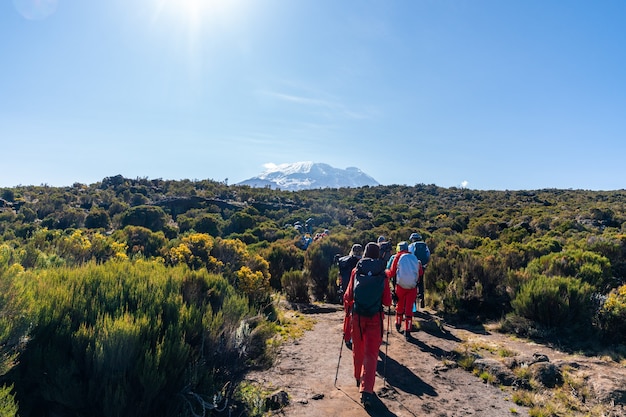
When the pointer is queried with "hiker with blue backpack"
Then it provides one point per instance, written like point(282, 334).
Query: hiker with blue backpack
point(404, 273)
point(419, 248)
point(368, 291)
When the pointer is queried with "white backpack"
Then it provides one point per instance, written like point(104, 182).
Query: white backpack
point(407, 271)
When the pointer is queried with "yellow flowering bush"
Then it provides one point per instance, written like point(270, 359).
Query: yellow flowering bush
point(254, 285)
point(612, 315)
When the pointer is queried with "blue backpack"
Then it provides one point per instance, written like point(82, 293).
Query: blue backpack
point(422, 252)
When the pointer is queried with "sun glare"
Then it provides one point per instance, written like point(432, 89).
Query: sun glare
point(195, 9)
point(196, 26)
point(196, 12)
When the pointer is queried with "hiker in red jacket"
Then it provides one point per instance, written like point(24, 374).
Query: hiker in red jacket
point(365, 296)
point(406, 270)
point(346, 267)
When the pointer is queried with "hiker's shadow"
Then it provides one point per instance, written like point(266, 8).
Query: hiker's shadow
point(379, 409)
point(433, 326)
point(401, 377)
point(434, 351)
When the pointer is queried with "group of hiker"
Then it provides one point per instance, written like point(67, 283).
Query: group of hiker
point(371, 278)
point(306, 232)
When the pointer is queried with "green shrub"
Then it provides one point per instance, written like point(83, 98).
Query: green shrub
point(239, 223)
point(334, 280)
point(282, 257)
point(555, 301)
point(13, 325)
point(208, 223)
point(97, 219)
point(8, 406)
point(232, 255)
point(612, 316)
point(468, 283)
point(543, 246)
point(132, 339)
point(317, 262)
point(150, 217)
point(295, 287)
point(141, 240)
point(591, 267)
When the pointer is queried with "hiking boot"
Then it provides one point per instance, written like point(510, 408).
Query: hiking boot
point(349, 344)
point(358, 382)
point(366, 399)
point(407, 336)
point(398, 326)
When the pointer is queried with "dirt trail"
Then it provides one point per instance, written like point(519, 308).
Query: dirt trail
point(417, 382)
point(419, 378)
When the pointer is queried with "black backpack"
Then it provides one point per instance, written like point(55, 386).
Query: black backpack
point(346, 265)
point(385, 251)
point(369, 283)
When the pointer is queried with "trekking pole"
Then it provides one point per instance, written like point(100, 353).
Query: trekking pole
point(339, 361)
point(386, 347)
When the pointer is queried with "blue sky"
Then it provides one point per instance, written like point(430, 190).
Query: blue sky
point(493, 95)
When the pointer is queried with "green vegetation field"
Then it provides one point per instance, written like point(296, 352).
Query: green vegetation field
point(134, 297)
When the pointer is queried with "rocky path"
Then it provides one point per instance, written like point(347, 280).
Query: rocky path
point(413, 380)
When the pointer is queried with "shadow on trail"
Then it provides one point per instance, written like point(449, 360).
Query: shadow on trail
point(434, 351)
point(466, 323)
point(399, 376)
point(378, 408)
point(434, 327)
point(305, 308)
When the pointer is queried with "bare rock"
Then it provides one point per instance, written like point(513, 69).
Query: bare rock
point(496, 368)
point(277, 400)
point(539, 357)
point(547, 374)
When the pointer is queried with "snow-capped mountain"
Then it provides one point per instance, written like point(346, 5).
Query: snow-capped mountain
point(307, 175)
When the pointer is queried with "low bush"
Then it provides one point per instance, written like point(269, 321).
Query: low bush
point(555, 302)
point(295, 287)
point(282, 257)
point(8, 407)
point(612, 316)
point(317, 262)
point(132, 339)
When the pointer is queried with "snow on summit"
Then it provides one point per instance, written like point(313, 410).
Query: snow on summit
point(307, 175)
point(287, 169)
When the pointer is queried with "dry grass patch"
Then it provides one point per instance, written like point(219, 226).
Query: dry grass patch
point(291, 325)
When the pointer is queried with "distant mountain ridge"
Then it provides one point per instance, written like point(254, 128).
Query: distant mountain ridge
point(309, 175)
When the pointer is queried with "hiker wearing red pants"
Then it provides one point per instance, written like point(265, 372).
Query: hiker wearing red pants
point(346, 266)
point(406, 270)
point(366, 294)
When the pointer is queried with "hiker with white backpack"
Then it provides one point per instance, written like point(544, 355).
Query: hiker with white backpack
point(406, 269)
